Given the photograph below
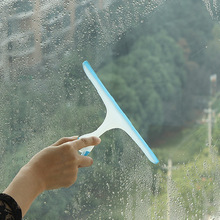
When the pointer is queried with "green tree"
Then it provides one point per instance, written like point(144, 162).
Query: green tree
point(154, 73)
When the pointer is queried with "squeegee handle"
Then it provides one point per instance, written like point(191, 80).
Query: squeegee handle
point(105, 126)
point(86, 150)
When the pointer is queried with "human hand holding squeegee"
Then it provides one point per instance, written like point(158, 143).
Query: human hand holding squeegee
point(115, 118)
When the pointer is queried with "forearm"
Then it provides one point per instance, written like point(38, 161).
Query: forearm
point(24, 188)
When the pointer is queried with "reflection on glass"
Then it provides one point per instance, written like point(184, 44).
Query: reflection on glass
point(158, 59)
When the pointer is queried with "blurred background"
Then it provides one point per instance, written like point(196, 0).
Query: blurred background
point(159, 60)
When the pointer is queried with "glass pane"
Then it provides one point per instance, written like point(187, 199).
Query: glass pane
point(159, 60)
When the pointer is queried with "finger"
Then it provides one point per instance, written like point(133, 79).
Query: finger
point(64, 140)
point(85, 142)
point(85, 161)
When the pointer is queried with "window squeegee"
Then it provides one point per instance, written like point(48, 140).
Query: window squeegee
point(115, 118)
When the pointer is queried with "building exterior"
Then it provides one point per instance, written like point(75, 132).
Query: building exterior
point(35, 31)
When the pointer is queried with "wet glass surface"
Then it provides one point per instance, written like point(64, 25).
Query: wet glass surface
point(159, 60)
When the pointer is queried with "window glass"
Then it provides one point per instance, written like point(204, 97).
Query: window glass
point(159, 60)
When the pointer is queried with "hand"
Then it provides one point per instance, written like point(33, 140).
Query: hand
point(54, 167)
point(57, 165)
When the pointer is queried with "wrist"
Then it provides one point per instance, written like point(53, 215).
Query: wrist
point(34, 178)
point(25, 188)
